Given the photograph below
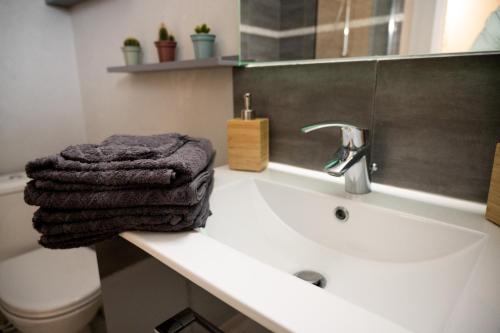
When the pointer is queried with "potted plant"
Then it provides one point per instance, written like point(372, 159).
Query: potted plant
point(131, 51)
point(203, 42)
point(165, 45)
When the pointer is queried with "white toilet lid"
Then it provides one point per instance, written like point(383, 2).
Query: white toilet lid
point(46, 282)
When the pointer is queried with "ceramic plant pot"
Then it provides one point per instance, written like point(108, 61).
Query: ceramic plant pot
point(166, 50)
point(203, 45)
point(132, 55)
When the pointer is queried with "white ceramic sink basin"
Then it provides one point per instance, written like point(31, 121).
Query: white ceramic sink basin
point(369, 232)
point(404, 261)
point(405, 267)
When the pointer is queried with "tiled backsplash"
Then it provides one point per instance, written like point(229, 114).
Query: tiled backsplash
point(434, 121)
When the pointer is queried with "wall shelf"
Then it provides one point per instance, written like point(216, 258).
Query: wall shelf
point(231, 61)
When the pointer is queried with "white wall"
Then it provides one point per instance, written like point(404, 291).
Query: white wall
point(40, 102)
point(41, 109)
point(196, 102)
point(41, 76)
point(17, 235)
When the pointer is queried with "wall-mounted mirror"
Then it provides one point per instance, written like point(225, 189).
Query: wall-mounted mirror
point(273, 30)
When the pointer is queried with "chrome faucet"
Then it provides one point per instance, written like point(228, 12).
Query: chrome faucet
point(350, 160)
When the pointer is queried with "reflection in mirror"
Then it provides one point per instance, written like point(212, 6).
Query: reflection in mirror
point(274, 30)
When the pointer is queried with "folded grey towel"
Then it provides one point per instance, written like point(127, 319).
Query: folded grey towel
point(92, 233)
point(55, 222)
point(151, 160)
point(183, 195)
point(66, 241)
point(47, 220)
point(89, 193)
point(126, 148)
point(51, 185)
point(72, 241)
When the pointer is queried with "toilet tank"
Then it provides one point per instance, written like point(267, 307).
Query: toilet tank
point(16, 232)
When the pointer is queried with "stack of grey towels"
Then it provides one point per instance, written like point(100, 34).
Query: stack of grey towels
point(88, 193)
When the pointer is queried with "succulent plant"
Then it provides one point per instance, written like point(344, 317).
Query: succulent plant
point(171, 38)
point(202, 29)
point(163, 33)
point(131, 42)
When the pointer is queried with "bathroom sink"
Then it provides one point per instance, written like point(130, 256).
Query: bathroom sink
point(296, 217)
point(393, 260)
point(407, 268)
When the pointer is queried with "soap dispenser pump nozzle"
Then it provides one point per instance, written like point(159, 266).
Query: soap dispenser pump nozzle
point(247, 112)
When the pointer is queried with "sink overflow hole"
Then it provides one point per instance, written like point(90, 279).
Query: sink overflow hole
point(341, 214)
point(313, 278)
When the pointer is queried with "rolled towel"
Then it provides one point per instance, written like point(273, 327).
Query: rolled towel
point(183, 195)
point(111, 164)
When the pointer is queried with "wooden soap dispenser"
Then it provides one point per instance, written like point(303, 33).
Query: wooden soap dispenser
point(248, 140)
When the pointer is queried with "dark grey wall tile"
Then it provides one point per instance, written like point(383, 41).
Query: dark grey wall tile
point(300, 47)
point(295, 96)
point(277, 15)
point(259, 48)
point(437, 121)
point(261, 13)
point(298, 14)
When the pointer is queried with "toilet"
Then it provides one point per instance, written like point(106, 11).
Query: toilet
point(42, 290)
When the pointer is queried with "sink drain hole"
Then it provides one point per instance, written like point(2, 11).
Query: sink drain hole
point(341, 214)
point(313, 278)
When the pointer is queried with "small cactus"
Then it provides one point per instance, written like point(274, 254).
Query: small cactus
point(171, 38)
point(163, 33)
point(202, 29)
point(131, 42)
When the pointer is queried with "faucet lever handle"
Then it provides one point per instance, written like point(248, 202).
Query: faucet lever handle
point(352, 137)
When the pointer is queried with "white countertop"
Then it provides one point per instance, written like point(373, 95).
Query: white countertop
point(283, 303)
